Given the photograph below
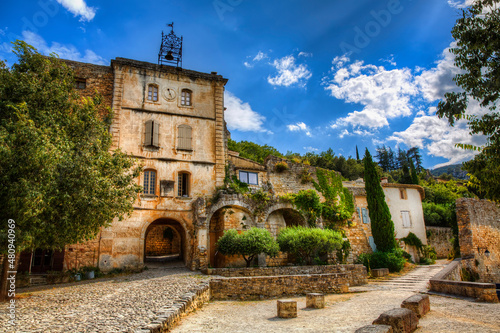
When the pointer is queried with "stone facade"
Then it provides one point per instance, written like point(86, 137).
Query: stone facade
point(479, 237)
point(440, 238)
point(181, 143)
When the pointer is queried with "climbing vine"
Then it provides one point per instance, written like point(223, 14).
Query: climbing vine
point(339, 202)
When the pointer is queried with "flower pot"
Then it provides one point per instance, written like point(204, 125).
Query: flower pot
point(77, 277)
point(89, 275)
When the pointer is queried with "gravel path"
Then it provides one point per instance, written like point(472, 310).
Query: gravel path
point(115, 305)
point(348, 312)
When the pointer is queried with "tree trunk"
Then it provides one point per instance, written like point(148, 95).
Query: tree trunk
point(3, 281)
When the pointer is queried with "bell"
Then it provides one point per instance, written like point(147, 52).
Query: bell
point(169, 56)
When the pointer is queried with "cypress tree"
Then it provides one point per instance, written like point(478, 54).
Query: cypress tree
point(413, 173)
point(357, 153)
point(380, 216)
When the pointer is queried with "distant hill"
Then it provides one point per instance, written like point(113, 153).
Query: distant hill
point(455, 170)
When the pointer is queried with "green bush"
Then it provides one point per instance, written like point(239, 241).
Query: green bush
point(305, 244)
point(248, 244)
point(394, 260)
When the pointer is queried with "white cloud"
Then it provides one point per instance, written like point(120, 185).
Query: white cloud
point(305, 54)
point(289, 73)
point(69, 52)
point(79, 8)
point(260, 55)
point(311, 148)
point(299, 127)
point(2, 32)
point(435, 82)
point(247, 64)
point(390, 60)
point(240, 116)
point(439, 138)
point(384, 94)
point(460, 3)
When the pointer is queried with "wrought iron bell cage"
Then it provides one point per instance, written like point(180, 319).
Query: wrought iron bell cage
point(170, 49)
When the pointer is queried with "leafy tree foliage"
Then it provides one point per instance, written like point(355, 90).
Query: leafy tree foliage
point(253, 151)
point(248, 244)
point(478, 55)
point(381, 222)
point(308, 243)
point(58, 179)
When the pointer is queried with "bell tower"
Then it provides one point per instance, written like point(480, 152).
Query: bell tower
point(170, 49)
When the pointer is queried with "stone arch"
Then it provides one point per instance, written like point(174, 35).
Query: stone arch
point(232, 215)
point(164, 250)
point(281, 216)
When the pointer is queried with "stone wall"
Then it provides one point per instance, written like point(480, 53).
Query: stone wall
point(278, 286)
point(449, 281)
point(440, 239)
point(357, 274)
point(82, 254)
point(96, 77)
point(157, 245)
point(479, 233)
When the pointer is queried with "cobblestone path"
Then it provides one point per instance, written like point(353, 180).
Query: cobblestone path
point(115, 305)
point(348, 312)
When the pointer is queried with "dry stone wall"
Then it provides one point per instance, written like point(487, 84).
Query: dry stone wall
point(440, 239)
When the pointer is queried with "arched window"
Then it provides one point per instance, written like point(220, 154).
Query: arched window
point(149, 182)
point(184, 137)
point(152, 92)
point(183, 184)
point(186, 97)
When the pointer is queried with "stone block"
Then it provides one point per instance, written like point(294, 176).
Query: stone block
point(420, 304)
point(378, 272)
point(375, 329)
point(315, 300)
point(402, 320)
point(287, 308)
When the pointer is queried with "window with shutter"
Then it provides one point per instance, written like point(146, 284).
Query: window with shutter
point(149, 182)
point(405, 215)
point(151, 137)
point(184, 137)
point(183, 184)
point(251, 178)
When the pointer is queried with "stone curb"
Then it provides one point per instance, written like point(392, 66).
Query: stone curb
point(168, 317)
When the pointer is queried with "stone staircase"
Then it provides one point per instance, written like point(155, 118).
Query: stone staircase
point(414, 281)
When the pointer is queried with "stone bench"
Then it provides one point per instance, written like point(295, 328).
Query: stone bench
point(379, 272)
point(402, 320)
point(315, 300)
point(420, 304)
point(375, 329)
point(287, 308)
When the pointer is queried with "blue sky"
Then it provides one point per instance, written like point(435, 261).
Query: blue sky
point(303, 75)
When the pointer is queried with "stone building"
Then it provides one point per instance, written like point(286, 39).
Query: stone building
point(171, 120)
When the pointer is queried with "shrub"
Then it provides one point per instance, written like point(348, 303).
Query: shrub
point(308, 203)
point(305, 244)
point(394, 260)
point(281, 166)
point(248, 244)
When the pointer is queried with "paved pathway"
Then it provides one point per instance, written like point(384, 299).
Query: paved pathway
point(113, 305)
point(347, 312)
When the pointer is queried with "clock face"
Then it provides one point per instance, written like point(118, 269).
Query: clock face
point(169, 94)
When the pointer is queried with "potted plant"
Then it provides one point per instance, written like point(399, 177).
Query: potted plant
point(88, 271)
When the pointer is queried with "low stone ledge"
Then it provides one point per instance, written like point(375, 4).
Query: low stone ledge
point(402, 320)
point(379, 272)
point(248, 288)
point(168, 317)
point(315, 300)
point(483, 292)
point(375, 329)
point(419, 304)
point(357, 273)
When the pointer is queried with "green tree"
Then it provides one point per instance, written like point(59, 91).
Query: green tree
point(413, 174)
point(381, 222)
point(477, 54)
point(59, 181)
point(249, 244)
point(253, 151)
point(305, 244)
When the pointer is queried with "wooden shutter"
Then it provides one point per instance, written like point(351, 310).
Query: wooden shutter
point(156, 132)
point(184, 137)
point(406, 219)
point(148, 136)
point(366, 217)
